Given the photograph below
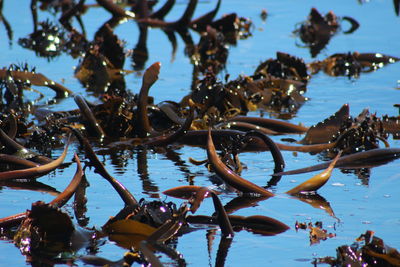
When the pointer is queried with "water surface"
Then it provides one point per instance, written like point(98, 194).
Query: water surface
point(360, 204)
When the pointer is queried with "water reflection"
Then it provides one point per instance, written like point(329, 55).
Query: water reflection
point(317, 30)
point(149, 187)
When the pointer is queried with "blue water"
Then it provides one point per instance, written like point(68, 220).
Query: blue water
point(359, 206)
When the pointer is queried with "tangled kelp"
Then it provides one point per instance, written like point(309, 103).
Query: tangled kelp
point(367, 250)
point(123, 121)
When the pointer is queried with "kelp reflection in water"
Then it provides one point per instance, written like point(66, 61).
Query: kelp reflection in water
point(146, 150)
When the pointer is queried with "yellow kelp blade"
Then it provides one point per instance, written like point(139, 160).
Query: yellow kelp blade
point(317, 181)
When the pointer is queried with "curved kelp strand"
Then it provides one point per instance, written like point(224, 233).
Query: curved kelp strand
point(63, 198)
point(245, 126)
point(168, 139)
point(35, 172)
point(317, 181)
point(278, 126)
point(89, 117)
point(13, 125)
point(149, 78)
point(276, 153)
point(20, 150)
point(124, 193)
point(11, 159)
point(59, 201)
point(37, 79)
point(222, 217)
point(364, 159)
point(230, 177)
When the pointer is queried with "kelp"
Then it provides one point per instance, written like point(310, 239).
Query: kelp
point(324, 131)
point(149, 78)
point(351, 64)
point(213, 115)
point(317, 30)
point(364, 159)
point(47, 40)
point(125, 195)
point(35, 172)
point(278, 126)
point(317, 233)
point(368, 249)
point(317, 181)
point(19, 75)
point(58, 202)
point(230, 177)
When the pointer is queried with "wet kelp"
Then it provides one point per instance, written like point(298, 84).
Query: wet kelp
point(216, 114)
point(368, 249)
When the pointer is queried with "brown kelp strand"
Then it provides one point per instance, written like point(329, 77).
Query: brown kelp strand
point(171, 138)
point(37, 79)
point(15, 160)
point(13, 125)
point(368, 249)
point(125, 195)
point(13, 220)
point(199, 138)
point(352, 64)
point(228, 176)
point(317, 148)
point(149, 78)
point(275, 152)
point(197, 198)
point(245, 126)
point(63, 198)
point(317, 30)
point(35, 172)
point(167, 230)
point(323, 131)
point(194, 194)
point(279, 126)
point(59, 201)
point(170, 109)
point(9, 142)
point(222, 217)
point(20, 151)
point(88, 116)
point(364, 159)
